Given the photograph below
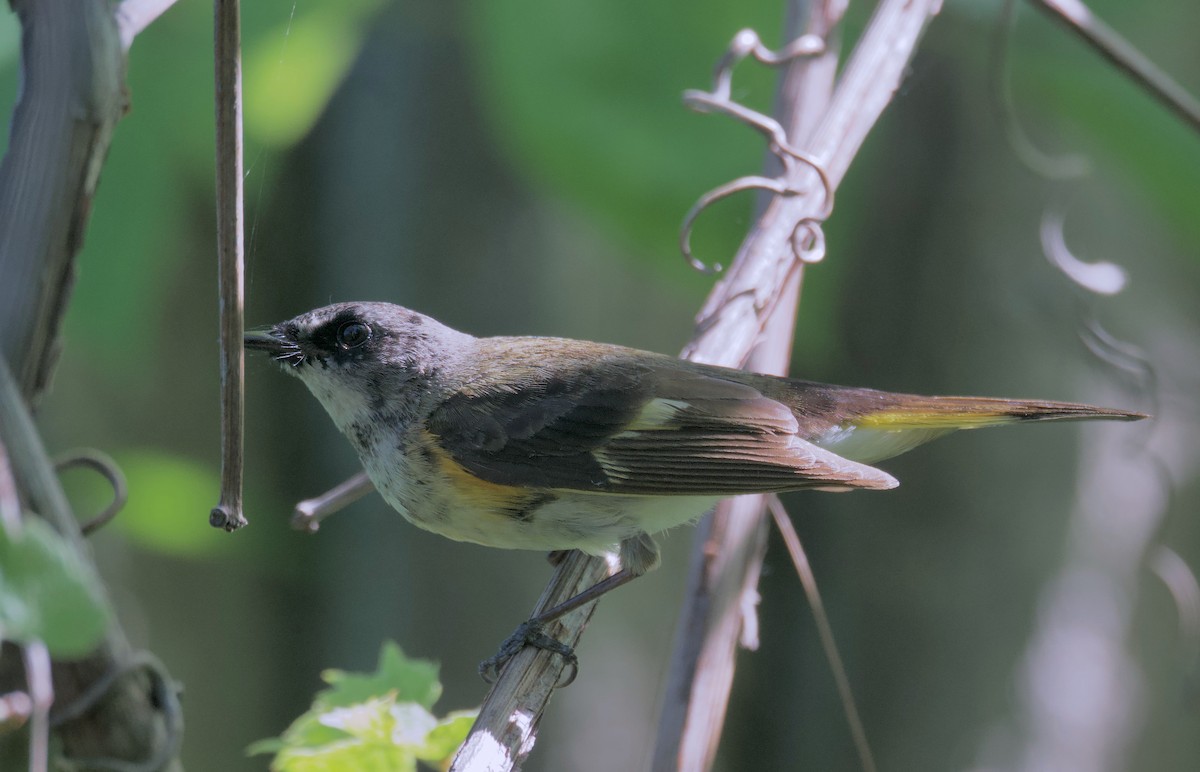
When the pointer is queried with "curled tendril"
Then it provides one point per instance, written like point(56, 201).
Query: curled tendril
point(807, 239)
point(713, 196)
point(108, 469)
point(1100, 277)
point(747, 43)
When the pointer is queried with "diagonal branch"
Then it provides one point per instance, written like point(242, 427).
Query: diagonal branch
point(727, 559)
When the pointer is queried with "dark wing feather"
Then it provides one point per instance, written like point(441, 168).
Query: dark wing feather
point(657, 427)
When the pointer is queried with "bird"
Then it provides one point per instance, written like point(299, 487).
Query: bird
point(556, 444)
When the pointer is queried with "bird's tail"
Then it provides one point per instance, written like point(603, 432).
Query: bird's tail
point(880, 425)
point(914, 412)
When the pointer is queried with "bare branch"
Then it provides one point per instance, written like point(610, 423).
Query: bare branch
point(309, 513)
point(726, 563)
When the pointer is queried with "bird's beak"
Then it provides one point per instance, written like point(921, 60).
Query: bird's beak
point(264, 340)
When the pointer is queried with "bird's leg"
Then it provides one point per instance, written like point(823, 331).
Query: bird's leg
point(639, 554)
point(532, 631)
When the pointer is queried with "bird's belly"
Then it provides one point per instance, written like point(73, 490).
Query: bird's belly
point(596, 522)
point(435, 494)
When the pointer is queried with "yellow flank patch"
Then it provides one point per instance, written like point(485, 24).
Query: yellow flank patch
point(473, 491)
point(915, 419)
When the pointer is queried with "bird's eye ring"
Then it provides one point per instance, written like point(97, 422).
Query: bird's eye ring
point(353, 334)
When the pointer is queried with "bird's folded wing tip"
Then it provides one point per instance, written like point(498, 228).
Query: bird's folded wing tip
point(878, 480)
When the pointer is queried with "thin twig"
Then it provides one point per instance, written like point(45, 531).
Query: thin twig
point(230, 253)
point(310, 512)
point(825, 630)
point(1078, 18)
point(41, 695)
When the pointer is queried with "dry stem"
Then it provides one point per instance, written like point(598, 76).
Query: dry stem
point(230, 255)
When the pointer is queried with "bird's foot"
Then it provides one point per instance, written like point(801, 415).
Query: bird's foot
point(530, 633)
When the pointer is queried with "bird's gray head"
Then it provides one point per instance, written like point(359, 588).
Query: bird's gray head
point(364, 361)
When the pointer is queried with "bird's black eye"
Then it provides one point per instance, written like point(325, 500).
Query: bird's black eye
point(353, 334)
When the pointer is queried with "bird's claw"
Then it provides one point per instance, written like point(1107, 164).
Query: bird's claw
point(530, 633)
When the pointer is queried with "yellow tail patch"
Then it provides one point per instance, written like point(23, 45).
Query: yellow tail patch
point(915, 419)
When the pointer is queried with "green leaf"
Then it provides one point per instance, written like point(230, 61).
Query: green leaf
point(373, 738)
point(269, 745)
point(307, 731)
point(371, 721)
point(411, 680)
point(48, 593)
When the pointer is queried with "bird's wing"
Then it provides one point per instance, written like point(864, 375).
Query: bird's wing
point(632, 427)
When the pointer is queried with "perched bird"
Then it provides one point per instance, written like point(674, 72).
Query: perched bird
point(555, 444)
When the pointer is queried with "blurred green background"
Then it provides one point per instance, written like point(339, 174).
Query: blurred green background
point(522, 167)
